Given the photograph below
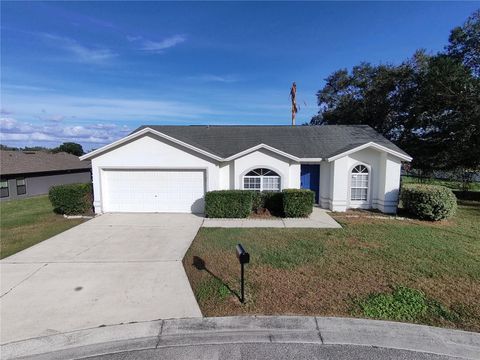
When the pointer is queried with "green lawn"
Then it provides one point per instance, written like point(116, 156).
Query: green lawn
point(25, 222)
point(452, 184)
point(404, 270)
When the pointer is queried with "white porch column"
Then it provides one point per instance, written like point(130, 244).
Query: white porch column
point(389, 184)
point(325, 198)
point(339, 184)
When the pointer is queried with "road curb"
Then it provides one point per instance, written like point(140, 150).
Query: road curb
point(247, 329)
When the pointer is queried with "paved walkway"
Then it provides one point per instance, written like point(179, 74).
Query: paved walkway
point(249, 337)
point(115, 268)
point(319, 219)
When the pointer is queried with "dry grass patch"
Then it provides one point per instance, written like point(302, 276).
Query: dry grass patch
point(329, 272)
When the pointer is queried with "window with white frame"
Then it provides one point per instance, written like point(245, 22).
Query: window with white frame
point(359, 183)
point(261, 180)
point(4, 188)
point(21, 187)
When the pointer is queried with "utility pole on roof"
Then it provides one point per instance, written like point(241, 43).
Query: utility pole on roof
point(293, 97)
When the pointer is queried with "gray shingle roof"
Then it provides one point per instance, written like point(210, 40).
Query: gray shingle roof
point(301, 141)
point(24, 162)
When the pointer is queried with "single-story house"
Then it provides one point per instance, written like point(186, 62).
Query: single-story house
point(30, 173)
point(169, 168)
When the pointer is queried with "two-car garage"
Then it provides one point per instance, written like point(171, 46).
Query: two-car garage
point(147, 172)
point(153, 190)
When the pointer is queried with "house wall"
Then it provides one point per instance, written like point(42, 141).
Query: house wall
point(387, 199)
point(155, 152)
point(384, 177)
point(151, 152)
point(226, 176)
point(40, 184)
point(325, 198)
point(289, 171)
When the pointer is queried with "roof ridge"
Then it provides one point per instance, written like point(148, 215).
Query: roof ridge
point(250, 125)
point(224, 141)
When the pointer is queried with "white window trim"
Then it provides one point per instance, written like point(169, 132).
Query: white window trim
point(261, 177)
point(24, 185)
point(372, 145)
point(6, 187)
point(360, 203)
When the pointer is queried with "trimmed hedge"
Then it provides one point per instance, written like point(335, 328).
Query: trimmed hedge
point(272, 201)
point(467, 195)
point(298, 202)
point(228, 203)
point(429, 202)
point(71, 199)
point(241, 203)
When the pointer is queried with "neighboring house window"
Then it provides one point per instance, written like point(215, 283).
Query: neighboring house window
point(261, 180)
point(359, 185)
point(21, 187)
point(4, 188)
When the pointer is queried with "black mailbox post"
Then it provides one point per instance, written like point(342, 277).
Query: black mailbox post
point(244, 258)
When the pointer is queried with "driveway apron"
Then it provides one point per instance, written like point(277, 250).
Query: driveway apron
point(115, 268)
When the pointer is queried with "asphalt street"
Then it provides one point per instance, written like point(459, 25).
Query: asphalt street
point(252, 337)
point(269, 351)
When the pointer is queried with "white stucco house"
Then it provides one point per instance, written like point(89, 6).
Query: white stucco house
point(169, 168)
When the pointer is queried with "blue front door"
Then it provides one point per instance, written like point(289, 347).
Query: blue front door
point(309, 178)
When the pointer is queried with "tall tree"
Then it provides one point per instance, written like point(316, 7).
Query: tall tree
point(429, 105)
point(443, 126)
point(464, 43)
point(71, 148)
point(378, 96)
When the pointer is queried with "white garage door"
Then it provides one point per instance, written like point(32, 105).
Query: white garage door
point(153, 190)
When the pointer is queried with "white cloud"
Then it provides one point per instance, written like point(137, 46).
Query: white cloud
point(79, 52)
point(16, 131)
point(24, 87)
point(4, 112)
point(133, 38)
point(51, 117)
point(157, 46)
point(228, 78)
point(7, 123)
point(50, 106)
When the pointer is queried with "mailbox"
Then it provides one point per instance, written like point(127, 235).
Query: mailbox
point(242, 255)
point(244, 258)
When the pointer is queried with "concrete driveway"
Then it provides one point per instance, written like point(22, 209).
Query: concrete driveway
point(116, 268)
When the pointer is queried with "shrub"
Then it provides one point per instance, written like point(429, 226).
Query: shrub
point(404, 304)
point(272, 201)
point(467, 195)
point(258, 201)
point(71, 199)
point(228, 203)
point(298, 202)
point(429, 202)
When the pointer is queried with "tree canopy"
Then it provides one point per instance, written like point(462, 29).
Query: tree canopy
point(464, 43)
point(71, 148)
point(429, 105)
point(68, 147)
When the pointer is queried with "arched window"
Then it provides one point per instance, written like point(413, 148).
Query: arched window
point(261, 180)
point(359, 184)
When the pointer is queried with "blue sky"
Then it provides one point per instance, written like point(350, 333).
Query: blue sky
point(91, 72)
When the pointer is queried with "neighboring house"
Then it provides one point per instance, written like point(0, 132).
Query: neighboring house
point(169, 168)
point(29, 173)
